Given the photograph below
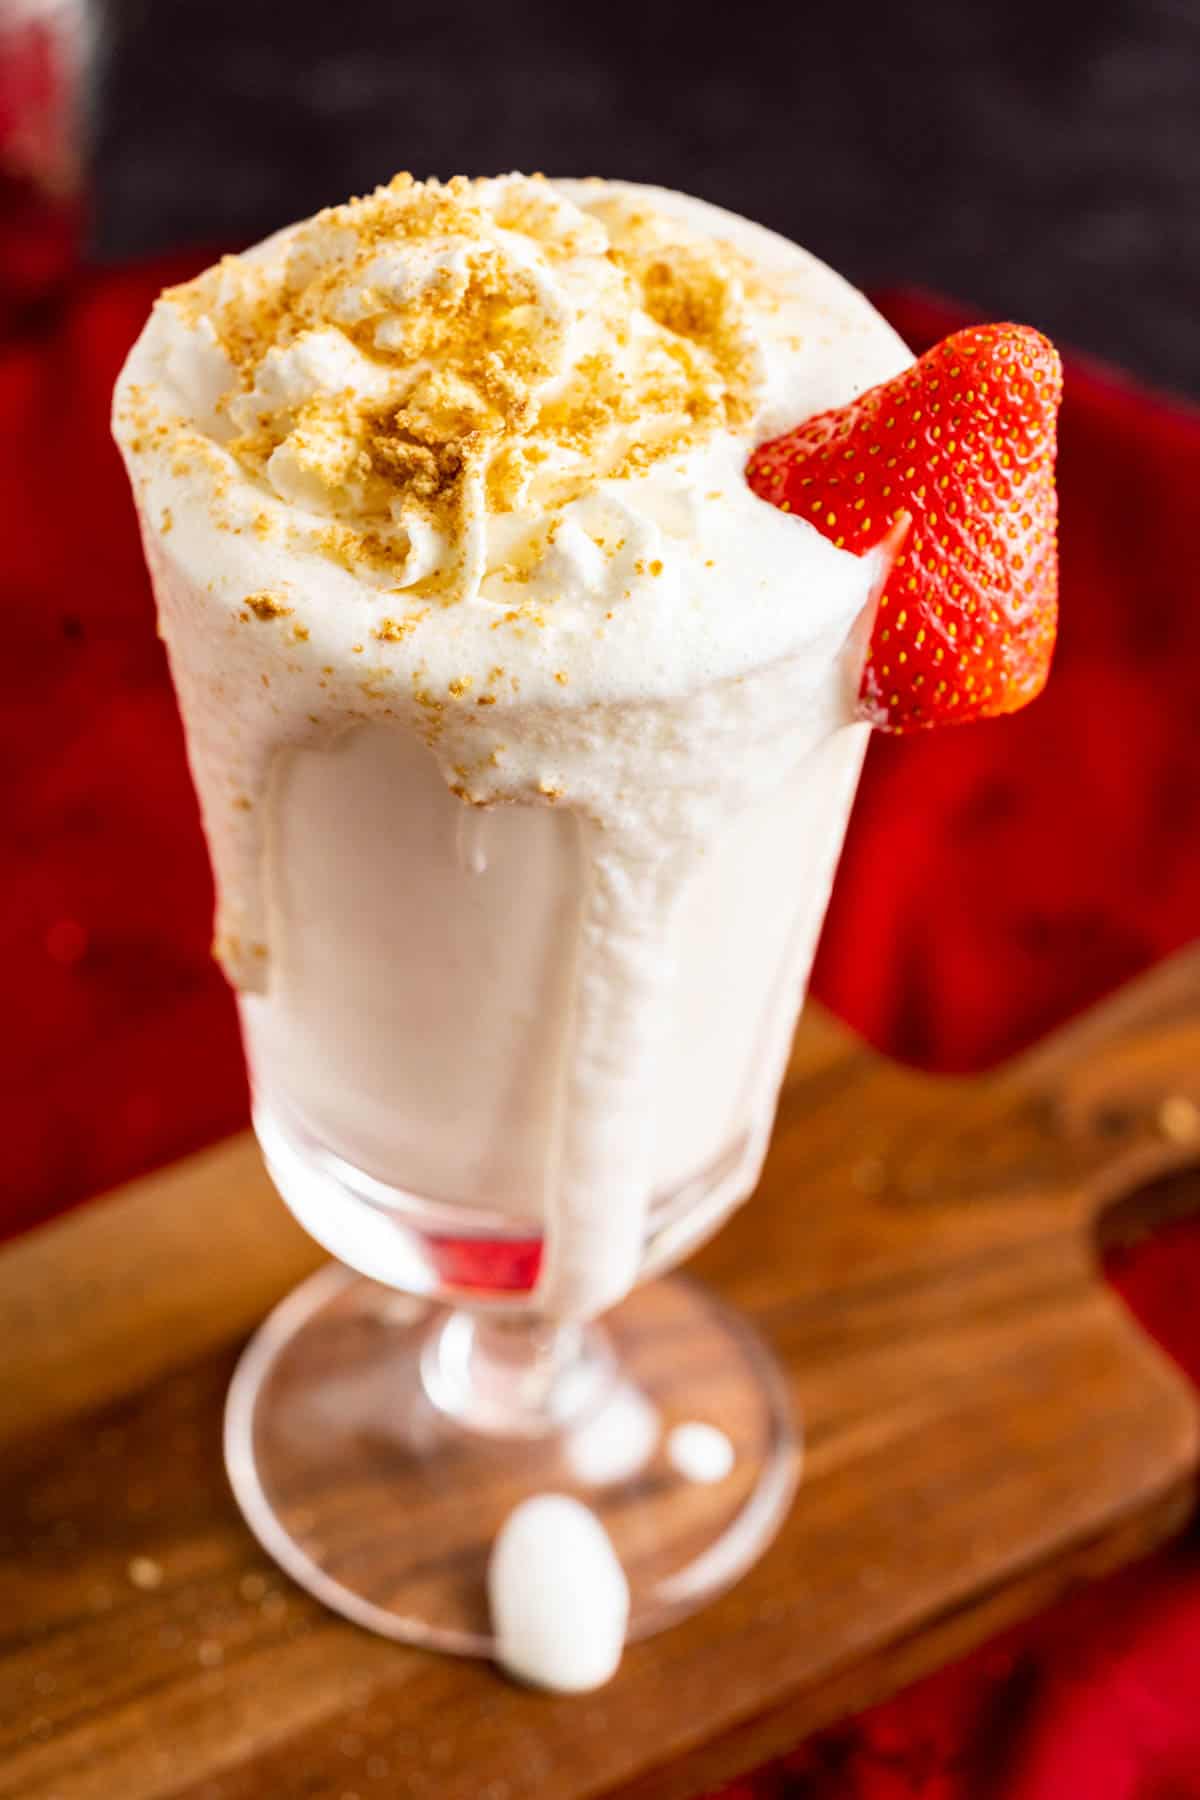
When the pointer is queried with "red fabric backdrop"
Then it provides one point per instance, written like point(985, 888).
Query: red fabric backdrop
point(995, 880)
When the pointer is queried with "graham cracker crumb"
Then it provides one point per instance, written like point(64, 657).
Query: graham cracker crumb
point(394, 631)
point(144, 1572)
point(266, 606)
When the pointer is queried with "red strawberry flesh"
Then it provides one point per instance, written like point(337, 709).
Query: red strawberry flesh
point(964, 443)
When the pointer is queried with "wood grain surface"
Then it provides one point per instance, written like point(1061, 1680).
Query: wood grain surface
point(985, 1424)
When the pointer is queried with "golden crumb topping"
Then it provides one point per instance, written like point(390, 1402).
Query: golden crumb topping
point(266, 606)
point(406, 363)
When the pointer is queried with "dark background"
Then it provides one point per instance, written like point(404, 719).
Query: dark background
point(1038, 159)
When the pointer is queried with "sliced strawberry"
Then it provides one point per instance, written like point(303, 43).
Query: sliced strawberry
point(963, 443)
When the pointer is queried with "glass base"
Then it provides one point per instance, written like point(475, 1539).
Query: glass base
point(376, 1443)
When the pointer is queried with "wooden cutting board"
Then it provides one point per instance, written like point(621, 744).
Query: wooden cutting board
point(985, 1424)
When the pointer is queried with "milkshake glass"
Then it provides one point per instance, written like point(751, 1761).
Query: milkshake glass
point(525, 737)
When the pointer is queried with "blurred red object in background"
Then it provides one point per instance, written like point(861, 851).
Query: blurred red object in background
point(43, 58)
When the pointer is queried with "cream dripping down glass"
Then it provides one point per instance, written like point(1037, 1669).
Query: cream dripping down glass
point(525, 736)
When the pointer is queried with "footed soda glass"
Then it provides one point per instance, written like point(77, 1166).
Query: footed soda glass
point(525, 734)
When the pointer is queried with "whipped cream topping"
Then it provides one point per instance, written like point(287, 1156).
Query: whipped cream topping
point(409, 370)
point(468, 462)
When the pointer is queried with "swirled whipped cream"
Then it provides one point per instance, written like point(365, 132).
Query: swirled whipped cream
point(528, 394)
point(411, 370)
point(448, 484)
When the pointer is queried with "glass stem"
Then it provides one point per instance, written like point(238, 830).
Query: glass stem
point(514, 1377)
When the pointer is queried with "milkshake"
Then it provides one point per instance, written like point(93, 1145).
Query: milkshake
point(525, 731)
point(533, 559)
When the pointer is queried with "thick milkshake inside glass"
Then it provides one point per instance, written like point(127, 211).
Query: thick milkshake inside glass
point(525, 735)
